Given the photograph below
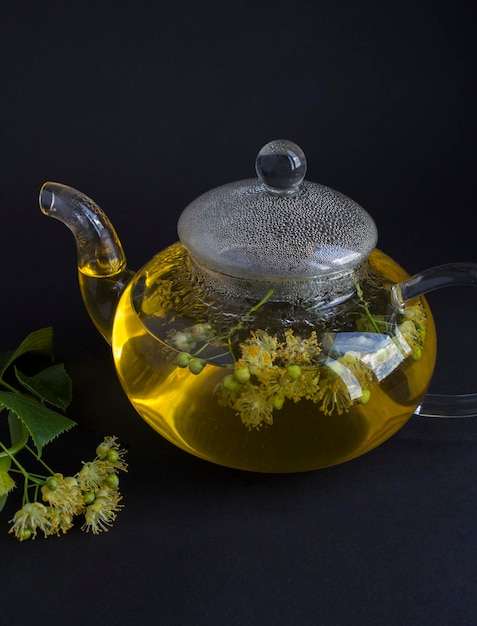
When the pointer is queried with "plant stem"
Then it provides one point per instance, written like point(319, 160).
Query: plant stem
point(8, 386)
point(247, 315)
point(239, 326)
point(17, 463)
point(364, 304)
point(39, 459)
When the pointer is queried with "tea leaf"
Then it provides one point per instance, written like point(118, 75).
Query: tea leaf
point(38, 341)
point(51, 384)
point(42, 423)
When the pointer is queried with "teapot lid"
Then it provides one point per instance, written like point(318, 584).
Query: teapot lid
point(277, 225)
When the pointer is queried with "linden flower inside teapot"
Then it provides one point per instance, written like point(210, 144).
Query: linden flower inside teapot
point(274, 336)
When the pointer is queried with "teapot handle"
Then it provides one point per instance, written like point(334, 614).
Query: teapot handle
point(449, 275)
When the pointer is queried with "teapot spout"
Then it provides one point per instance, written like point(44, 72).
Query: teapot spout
point(102, 267)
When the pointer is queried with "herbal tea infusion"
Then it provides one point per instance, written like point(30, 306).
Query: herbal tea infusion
point(256, 388)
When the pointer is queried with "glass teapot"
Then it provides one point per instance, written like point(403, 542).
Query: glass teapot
point(274, 336)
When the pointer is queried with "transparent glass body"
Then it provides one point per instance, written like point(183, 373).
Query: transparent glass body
point(268, 386)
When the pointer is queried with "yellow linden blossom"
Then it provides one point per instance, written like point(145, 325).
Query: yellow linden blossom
point(293, 383)
point(359, 369)
point(100, 515)
point(416, 313)
point(65, 494)
point(91, 475)
point(255, 358)
point(110, 459)
point(298, 351)
point(409, 331)
point(35, 516)
point(254, 407)
point(334, 396)
point(260, 342)
point(306, 386)
point(60, 521)
point(266, 342)
point(111, 455)
point(413, 328)
point(414, 335)
point(29, 519)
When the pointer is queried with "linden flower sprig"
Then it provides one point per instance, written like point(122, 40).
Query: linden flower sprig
point(91, 493)
point(50, 501)
point(271, 370)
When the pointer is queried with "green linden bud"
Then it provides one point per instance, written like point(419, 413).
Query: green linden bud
point(97, 505)
point(242, 374)
point(183, 359)
point(26, 534)
point(365, 397)
point(52, 483)
point(294, 372)
point(102, 450)
point(112, 456)
point(278, 402)
point(196, 365)
point(89, 497)
point(230, 382)
point(112, 481)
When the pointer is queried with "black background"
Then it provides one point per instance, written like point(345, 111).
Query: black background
point(145, 105)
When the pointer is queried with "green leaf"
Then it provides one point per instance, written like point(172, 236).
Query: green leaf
point(6, 481)
point(51, 384)
point(5, 462)
point(5, 360)
point(18, 432)
point(38, 341)
point(42, 423)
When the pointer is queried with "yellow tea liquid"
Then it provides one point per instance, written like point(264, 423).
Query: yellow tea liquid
point(183, 406)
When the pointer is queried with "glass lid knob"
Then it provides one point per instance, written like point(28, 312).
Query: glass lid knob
point(281, 167)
